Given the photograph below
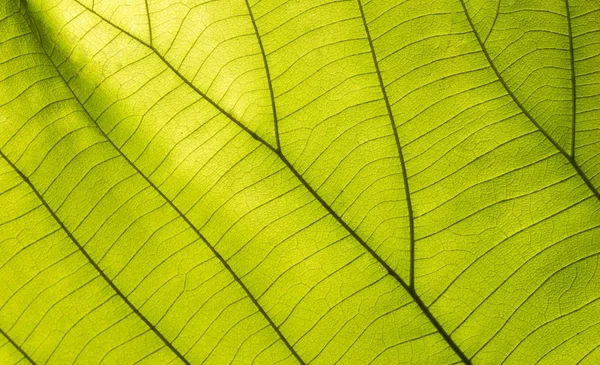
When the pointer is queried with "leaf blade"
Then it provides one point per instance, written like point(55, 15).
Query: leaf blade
point(471, 204)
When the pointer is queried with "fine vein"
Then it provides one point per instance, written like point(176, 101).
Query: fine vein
point(409, 287)
point(493, 23)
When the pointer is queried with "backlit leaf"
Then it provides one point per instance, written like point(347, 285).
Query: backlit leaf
point(280, 182)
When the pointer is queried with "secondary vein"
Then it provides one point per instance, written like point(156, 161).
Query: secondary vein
point(301, 179)
point(411, 286)
point(15, 345)
point(149, 22)
point(91, 260)
point(569, 157)
point(573, 81)
point(180, 213)
point(398, 147)
point(269, 81)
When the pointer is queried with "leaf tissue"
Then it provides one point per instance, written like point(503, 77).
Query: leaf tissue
point(300, 181)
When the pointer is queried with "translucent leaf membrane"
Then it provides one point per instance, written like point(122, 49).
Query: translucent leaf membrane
point(504, 225)
point(529, 44)
point(586, 57)
point(175, 286)
point(333, 121)
point(214, 46)
point(130, 15)
point(268, 182)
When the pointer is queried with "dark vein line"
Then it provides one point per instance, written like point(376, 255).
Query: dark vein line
point(12, 342)
point(184, 79)
point(588, 354)
point(494, 22)
point(562, 343)
point(389, 270)
point(411, 286)
point(178, 211)
point(569, 158)
point(573, 81)
point(81, 249)
point(91, 261)
point(266, 64)
point(398, 146)
point(330, 210)
point(213, 250)
point(213, 103)
point(553, 320)
point(149, 22)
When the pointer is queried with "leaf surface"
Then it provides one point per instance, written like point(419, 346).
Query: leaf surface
point(299, 182)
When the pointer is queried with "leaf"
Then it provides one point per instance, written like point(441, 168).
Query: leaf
point(299, 182)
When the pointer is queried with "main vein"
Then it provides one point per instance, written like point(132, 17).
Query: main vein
point(409, 287)
point(569, 157)
point(12, 342)
point(187, 221)
point(92, 262)
point(301, 179)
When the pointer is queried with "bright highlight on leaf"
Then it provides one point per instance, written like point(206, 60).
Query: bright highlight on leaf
point(284, 182)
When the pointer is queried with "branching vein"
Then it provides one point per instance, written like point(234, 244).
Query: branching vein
point(569, 157)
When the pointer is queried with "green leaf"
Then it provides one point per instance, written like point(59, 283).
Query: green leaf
point(259, 181)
